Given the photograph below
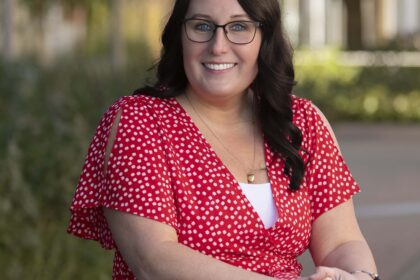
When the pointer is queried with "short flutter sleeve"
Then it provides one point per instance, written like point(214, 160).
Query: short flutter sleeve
point(137, 178)
point(327, 176)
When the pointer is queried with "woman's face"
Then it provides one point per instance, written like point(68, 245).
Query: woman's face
point(219, 68)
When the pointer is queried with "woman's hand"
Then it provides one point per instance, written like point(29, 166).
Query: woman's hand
point(332, 273)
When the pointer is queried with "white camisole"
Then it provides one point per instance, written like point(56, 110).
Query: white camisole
point(261, 198)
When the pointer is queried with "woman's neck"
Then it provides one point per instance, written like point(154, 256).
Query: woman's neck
point(223, 110)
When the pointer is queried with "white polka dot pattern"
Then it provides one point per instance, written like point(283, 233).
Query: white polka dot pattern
point(162, 168)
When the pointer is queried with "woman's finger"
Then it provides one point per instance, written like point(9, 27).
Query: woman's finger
point(322, 273)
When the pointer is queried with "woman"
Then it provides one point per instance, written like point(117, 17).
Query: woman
point(217, 171)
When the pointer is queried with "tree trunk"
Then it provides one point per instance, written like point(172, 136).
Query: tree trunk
point(7, 28)
point(118, 54)
point(354, 24)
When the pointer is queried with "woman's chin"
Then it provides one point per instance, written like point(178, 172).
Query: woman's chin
point(218, 92)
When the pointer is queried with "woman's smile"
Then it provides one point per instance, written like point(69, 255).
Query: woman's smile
point(219, 66)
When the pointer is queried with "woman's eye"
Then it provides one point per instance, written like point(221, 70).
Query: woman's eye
point(238, 26)
point(203, 27)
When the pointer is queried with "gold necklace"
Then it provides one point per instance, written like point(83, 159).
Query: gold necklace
point(250, 172)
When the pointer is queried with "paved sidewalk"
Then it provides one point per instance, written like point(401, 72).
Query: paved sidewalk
point(385, 160)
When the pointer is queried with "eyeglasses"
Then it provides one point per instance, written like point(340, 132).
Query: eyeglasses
point(237, 32)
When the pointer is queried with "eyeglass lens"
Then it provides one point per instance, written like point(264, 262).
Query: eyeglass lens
point(238, 32)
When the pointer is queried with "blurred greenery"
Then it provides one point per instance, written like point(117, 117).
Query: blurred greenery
point(344, 93)
point(48, 115)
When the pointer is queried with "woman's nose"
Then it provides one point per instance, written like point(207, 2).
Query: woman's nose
point(219, 43)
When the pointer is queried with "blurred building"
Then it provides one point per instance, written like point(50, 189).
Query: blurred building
point(384, 24)
point(61, 29)
point(56, 32)
point(320, 23)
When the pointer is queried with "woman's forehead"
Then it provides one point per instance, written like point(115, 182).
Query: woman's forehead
point(216, 9)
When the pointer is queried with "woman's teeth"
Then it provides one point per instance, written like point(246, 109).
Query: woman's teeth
point(219, 67)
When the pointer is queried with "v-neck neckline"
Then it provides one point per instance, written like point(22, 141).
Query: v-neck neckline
point(267, 159)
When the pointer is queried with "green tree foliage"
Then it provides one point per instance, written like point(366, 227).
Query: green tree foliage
point(47, 118)
point(360, 93)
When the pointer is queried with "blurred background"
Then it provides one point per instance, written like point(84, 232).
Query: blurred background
point(63, 62)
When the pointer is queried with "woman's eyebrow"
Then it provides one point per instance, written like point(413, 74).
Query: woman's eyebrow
point(199, 15)
point(240, 16)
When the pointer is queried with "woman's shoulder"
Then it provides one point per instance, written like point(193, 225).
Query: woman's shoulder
point(307, 116)
point(141, 105)
point(303, 109)
point(134, 110)
point(141, 101)
point(300, 104)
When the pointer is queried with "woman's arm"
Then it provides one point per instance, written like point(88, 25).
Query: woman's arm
point(337, 242)
point(152, 251)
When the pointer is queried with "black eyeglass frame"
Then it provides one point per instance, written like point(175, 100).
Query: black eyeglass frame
point(223, 26)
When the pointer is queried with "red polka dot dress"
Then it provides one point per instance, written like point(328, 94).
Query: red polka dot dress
point(162, 168)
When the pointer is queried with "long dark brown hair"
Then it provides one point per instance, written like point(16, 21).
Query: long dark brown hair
point(272, 86)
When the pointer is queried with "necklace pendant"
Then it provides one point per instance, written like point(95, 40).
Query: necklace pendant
point(251, 178)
